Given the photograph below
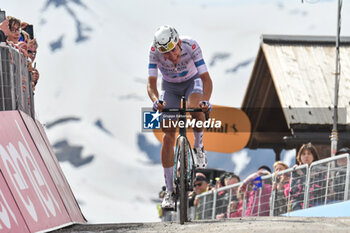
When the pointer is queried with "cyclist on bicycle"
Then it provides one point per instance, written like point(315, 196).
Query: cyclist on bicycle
point(184, 74)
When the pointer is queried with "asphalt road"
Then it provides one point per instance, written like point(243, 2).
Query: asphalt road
point(236, 225)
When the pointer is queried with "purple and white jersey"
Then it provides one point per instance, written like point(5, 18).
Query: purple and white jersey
point(190, 64)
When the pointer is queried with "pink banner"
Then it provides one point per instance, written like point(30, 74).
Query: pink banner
point(27, 176)
point(49, 158)
point(11, 220)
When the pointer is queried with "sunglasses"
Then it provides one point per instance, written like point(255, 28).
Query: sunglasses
point(198, 184)
point(32, 52)
point(15, 30)
point(167, 47)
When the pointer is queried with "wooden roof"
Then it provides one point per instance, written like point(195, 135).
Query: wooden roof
point(290, 95)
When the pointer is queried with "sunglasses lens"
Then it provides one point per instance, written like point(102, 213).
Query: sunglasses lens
point(162, 49)
point(166, 48)
point(171, 45)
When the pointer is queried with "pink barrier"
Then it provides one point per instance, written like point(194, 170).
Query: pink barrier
point(58, 176)
point(33, 177)
point(11, 219)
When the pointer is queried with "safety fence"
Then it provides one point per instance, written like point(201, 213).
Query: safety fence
point(324, 182)
point(15, 81)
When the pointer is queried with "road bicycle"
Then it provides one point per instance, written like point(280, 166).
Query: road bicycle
point(184, 168)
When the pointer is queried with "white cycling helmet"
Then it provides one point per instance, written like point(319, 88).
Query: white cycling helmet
point(165, 38)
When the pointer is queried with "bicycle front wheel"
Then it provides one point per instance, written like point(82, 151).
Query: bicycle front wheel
point(183, 179)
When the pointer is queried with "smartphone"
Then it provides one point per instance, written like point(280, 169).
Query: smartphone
point(2, 15)
point(30, 31)
point(21, 38)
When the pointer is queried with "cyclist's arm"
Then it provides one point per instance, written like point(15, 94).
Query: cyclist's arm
point(152, 88)
point(197, 57)
point(207, 86)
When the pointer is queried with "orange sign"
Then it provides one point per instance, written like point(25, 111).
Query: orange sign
point(232, 135)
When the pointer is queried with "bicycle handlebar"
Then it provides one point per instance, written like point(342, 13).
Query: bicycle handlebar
point(180, 109)
point(185, 110)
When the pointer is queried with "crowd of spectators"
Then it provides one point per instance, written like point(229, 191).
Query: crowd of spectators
point(20, 35)
point(285, 188)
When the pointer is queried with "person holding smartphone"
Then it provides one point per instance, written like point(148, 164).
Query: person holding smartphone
point(257, 192)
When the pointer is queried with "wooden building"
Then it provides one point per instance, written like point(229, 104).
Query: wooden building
point(290, 95)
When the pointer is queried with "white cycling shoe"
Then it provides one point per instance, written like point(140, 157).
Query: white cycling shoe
point(200, 157)
point(168, 201)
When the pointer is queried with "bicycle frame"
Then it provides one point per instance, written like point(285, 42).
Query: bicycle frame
point(190, 164)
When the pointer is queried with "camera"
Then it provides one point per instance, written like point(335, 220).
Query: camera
point(2, 15)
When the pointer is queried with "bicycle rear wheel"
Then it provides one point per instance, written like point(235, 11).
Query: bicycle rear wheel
point(183, 179)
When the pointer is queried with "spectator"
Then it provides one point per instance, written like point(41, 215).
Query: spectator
point(223, 197)
point(220, 181)
point(32, 48)
point(200, 185)
point(10, 31)
point(235, 208)
point(279, 166)
point(266, 168)
point(232, 179)
point(340, 175)
point(203, 208)
point(280, 188)
point(306, 155)
point(257, 205)
point(220, 203)
point(24, 48)
point(15, 29)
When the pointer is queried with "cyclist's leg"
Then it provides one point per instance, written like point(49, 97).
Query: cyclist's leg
point(167, 157)
point(167, 152)
point(194, 94)
point(199, 116)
